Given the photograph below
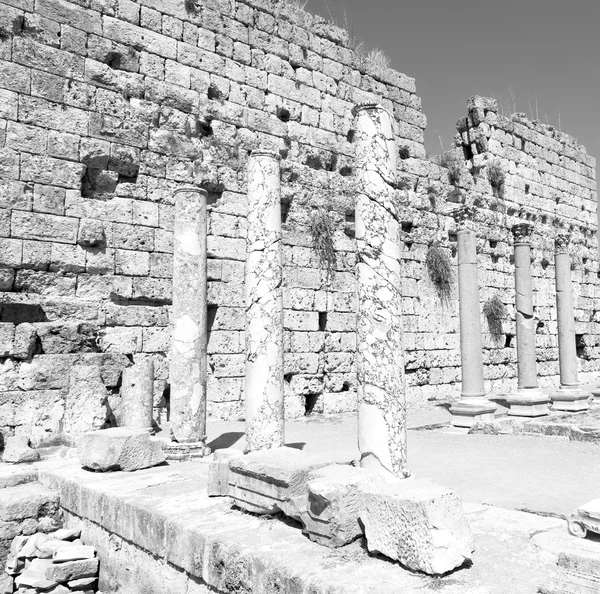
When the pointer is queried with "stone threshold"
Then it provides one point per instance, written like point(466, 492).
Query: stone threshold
point(205, 545)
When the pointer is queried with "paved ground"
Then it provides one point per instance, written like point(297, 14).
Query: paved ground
point(548, 475)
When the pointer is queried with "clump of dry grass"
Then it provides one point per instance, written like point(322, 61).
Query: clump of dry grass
point(322, 231)
point(378, 57)
point(440, 271)
point(496, 177)
point(494, 311)
point(452, 164)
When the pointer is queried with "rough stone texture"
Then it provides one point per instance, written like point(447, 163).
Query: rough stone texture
point(17, 451)
point(101, 124)
point(333, 509)
point(418, 523)
point(264, 306)
point(272, 481)
point(218, 472)
point(119, 448)
point(189, 334)
point(379, 349)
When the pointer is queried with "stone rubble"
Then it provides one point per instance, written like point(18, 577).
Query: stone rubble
point(17, 451)
point(54, 563)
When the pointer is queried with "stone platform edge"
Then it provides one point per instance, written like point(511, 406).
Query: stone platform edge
point(172, 539)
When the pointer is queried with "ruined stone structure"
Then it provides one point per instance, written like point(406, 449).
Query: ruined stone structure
point(108, 108)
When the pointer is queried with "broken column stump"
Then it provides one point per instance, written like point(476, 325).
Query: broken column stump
point(119, 448)
point(418, 523)
point(272, 481)
point(137, 396)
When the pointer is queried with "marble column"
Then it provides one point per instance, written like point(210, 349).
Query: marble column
point(264, 306)
point(137, 395)
point(473, 405)
point(528, 400)
point(380, 356)
point(569, 396)
point(188, 342)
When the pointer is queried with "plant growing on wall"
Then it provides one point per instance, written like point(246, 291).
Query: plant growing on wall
point(495, 313)
point(190, 6)
point(496, 177)
point(378, 57)
point(322, 231)
point(452, 164)
point(440, 271)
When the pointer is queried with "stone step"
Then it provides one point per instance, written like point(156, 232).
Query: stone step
point(27, 500)
point(10, 475)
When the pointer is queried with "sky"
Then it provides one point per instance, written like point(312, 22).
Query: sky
point(547, 50)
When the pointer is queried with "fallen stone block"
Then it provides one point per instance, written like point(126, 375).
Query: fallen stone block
point(272, 481)
point(17, 451)
point(82, 584)
point(416, 522)
point(34, 576)
point(218, 472)
point(333, 507)
point(66, 533)
point(119, 448)
point(72, 570)
point(73, 552)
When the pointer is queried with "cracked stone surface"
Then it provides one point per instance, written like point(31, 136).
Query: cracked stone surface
point(380, 358)
point(264, 306)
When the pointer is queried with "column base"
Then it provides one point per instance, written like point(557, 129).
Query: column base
point(570, 399)
point(185, 452)
point(528, 402)
point(468, 411)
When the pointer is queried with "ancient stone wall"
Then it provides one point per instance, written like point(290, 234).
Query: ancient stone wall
point(108, 106)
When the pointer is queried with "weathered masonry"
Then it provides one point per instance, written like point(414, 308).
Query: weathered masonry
point(108, 107)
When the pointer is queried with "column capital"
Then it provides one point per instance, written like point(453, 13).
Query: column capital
point(561, 243)
point(522, 233)
point(365, 106)
point(464, 216)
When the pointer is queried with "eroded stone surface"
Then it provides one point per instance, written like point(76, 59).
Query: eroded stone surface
point(137, 395)
point(272, 481)
point(119, 448)
point(264, 306)
point(333, 508)
point(418, 523)
point(17, 451)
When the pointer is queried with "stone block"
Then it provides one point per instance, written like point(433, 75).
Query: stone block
point(218, 472)
point(333, 509)
point(119, 448)
point(34, 576)
point(17, 451)
point(73, 552)
point(72, 570)
point(416, 522)
point(272, 481)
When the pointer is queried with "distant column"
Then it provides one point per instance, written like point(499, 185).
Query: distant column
point(570, 396)
point(264, 306)
point(380, 356)
point(528, 400)
point(473, 405)
point(137, 395)
point(188, 342)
